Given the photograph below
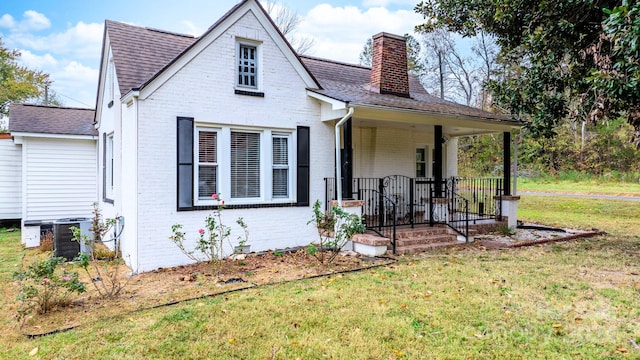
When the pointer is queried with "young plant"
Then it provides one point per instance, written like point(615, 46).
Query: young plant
point(242, 239)
point(335, 229)
point(105, 274)
point(43, 286)
point(211, 239)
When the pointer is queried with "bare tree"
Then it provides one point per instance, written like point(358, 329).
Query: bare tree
point(447, 73)
point(486, 50)
point(287, 20)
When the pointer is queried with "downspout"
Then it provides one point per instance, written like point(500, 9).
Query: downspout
point(338, 157)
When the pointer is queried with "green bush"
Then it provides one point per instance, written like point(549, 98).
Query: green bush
point(43, 285)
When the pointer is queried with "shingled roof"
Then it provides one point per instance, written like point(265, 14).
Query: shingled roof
point(351, 83)
point(26, 118)
point(139, 53)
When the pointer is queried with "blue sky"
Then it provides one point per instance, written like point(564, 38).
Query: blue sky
point(63, 38)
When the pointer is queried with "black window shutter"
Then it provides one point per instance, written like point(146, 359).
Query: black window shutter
point(185, 163)
point(303, 166)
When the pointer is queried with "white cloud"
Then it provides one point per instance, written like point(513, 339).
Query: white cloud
point(7, 21)
point(385, 3)
point(192, 29)
point(76, 83)
point(341, 32)
point(37, 62)
point(34, 20)
point(82, 40)
point(31, 21)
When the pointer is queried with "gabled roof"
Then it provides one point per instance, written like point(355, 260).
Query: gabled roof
point(139, 53)
point(40, 119)
point(351, 83)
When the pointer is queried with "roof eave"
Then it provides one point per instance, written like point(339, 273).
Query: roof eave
point(449, 119)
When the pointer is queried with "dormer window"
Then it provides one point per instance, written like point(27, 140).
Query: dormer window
point(248, 66)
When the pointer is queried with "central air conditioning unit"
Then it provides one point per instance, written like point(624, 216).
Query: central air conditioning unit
point(63, 244)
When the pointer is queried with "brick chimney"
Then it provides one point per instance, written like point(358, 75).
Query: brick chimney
point(389, 65)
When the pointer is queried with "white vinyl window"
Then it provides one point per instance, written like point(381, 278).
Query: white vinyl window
point(248, 66)
point(421, 162)
point(109, 166)
point(245, 166)
point(280, 165)
point(207, 163)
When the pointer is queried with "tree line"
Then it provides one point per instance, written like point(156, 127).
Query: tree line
point(569, 70)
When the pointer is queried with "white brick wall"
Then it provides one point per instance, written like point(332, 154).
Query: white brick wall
point(391, 151)
point(204, 89)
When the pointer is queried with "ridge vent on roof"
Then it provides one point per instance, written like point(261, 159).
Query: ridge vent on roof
point(335, 62)
point(170, 32)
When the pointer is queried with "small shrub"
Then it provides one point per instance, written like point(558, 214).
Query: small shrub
point(211, 239)
point(102, 265)
point(506, 230)
point(335, 229)
point(43, 286)
point(46, 241)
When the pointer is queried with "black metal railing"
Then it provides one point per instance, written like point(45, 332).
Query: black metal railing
point(413, 199)
point(449, 208)
point(481, 193)
point(380, 214)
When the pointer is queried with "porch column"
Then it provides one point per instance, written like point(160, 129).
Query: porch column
point(506, 164)
point(508, 202)
point(347, 163)
point(437, 162)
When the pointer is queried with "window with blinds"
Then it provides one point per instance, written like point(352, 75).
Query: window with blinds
point(421, 162)
point(245, 165)
point(280, 164)
point(207, 164)
point(247, 66)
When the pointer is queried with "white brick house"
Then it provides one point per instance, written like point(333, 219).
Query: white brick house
point(237, 112)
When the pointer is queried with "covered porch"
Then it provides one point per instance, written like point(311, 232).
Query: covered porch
point(403, 169)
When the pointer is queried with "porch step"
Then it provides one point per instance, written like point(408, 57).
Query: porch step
point(425, 240)
point(414, 249)
point(421, 232)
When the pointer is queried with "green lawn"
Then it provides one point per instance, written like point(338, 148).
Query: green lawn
point(574, 300)
point(584, 187)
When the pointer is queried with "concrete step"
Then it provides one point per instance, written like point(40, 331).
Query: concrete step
point(425, 240)
point(422, 232)
point(423, 248)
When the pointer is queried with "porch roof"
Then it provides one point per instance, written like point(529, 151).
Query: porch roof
point(350, 84)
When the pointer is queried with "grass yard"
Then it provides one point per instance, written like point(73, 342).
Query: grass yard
point(581, 187)
point(574, 300)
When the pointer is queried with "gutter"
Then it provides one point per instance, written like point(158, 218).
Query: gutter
point(338, 157)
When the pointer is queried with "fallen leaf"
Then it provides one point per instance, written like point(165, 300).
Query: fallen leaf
point(621, 349)
point(479, 336)
point(33, 351)
point(403, 306)
point(556, 326)
point(578, 319)
point(232, 341)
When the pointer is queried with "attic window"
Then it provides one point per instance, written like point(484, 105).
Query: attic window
point(248, 66)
